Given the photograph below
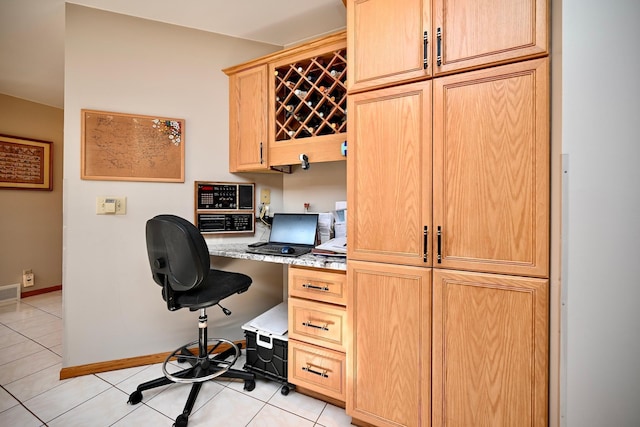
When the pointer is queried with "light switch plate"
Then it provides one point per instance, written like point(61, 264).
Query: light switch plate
point(111, 205)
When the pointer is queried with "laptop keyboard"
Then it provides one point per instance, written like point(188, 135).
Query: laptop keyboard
point(271, 248)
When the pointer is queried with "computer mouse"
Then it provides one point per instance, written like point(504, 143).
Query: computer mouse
point(287, 250)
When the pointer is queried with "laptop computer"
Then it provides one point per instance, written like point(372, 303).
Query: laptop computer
point(294, 232)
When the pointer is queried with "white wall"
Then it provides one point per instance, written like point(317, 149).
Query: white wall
point(601, 135)
point(112, 308)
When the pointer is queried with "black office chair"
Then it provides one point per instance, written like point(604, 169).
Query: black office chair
point(180, 263)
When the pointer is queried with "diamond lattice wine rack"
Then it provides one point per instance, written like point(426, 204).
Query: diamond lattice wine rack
point(311, 97)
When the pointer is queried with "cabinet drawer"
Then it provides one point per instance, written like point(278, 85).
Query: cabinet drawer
point(317, 323)
point(318, 285)
point(318, 369)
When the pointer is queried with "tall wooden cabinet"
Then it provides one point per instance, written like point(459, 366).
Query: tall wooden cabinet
point(390, 311)
point(490, 350)
point(448, 194)
point(389, 175)
point(405, 40)
point(491, 169)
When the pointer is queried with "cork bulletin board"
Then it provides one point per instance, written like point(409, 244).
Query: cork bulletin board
point(25, 164)
point(127, 147)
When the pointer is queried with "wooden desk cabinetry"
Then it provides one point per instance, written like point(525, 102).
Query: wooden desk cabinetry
point(317, 331)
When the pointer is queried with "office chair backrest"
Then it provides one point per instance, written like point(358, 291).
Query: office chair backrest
point(177, 253)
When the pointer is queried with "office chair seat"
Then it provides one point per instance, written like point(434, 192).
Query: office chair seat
point(180, 264)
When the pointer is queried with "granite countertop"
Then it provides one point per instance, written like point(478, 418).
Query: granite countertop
point(238, 250)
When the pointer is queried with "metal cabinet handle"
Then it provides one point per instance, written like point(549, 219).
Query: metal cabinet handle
point(311, 325)
point(315, 287)
point(323, 374)
point(439, 46)
point(425, 42)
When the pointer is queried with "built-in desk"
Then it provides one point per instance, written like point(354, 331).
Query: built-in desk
point(239, 251)
point(317, 311)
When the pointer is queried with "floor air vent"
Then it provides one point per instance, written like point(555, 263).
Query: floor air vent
point(9, 293)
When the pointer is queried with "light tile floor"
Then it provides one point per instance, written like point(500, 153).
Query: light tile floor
point(31, 393)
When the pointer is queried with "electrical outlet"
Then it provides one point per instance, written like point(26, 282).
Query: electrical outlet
point(265, 196)
point(27, 278)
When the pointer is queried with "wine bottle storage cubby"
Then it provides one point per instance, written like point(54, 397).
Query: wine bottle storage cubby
point(311, 97)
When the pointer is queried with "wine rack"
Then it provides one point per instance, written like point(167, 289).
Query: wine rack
point(311, 97)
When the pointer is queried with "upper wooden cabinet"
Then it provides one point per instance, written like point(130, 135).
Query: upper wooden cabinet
point(386, 42)
point(289, 103)
point(473, 34)
point(389, 175)
point(405, 40)
point(248, 120)
point(491, 169)
point(308, 102)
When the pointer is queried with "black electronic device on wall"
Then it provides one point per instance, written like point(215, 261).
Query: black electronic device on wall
point(224, 207)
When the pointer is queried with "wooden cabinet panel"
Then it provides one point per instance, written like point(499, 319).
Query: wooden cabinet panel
point(486, 32)
point(318, 323)
point(389, 355)
point(389, 175)
point(248, 120)
point(309, 102)
point(386, 42)
point(318, 369)
point(491, 169)
point(490, 350)
point(318, 285)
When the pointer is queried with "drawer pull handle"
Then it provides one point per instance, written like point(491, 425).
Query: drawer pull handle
point(315, 287)
point(323, 374)
point(311, 325)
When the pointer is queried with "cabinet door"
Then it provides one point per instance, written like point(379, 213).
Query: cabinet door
point(491, 170)
point(389, 175)
point(472, 34)
point(248, 120)
point(385, 41)
point(389, 356)
point(490, 350)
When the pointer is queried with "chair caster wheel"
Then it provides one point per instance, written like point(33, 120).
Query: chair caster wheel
point(181, 421)
point(249, 385)
point(284, 390)
point(135, 398)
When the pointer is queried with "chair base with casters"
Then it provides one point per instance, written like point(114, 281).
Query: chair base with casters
point(204, 365)
point(180, 264)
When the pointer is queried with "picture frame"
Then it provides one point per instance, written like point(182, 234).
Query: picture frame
point(25, 163)
point(131, 147)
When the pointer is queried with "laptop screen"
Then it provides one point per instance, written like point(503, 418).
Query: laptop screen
point(295, 229)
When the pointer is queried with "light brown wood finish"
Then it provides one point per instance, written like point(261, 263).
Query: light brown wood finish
point(385, 40)
point(318, 285)
point(248, 143)
point(389, 174)
point(490, 350)
point(480, 33)
point(318, 331)
point(491, 169)
point(389, 358)
point(318, 323)
point(323, 148)
point(318, 369)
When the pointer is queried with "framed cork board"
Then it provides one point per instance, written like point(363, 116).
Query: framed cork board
point(25, 163)
point(127, 147)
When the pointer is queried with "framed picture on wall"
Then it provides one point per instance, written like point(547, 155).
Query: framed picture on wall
point(25, 164)
point(128, 147)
